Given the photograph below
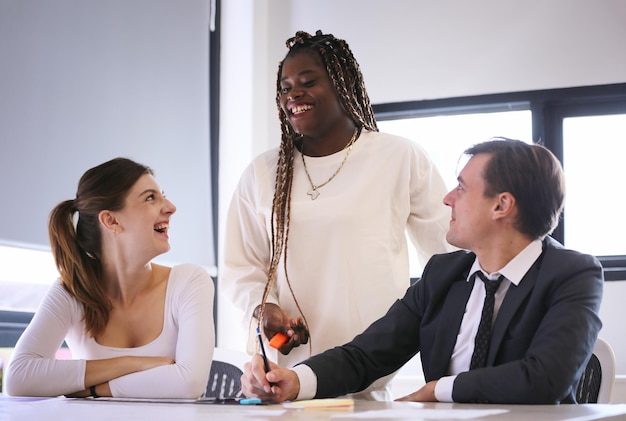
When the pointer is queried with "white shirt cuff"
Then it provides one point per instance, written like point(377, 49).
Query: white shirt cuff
point(308, 382)
point(443, 389)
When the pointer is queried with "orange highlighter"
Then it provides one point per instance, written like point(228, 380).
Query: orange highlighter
point(278, 340)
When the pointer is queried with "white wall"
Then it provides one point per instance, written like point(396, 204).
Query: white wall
point(419, 49)
point(414, 50)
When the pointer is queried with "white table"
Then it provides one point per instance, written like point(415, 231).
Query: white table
point(57, 409)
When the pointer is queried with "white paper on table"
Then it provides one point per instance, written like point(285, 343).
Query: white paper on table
point(420, 413)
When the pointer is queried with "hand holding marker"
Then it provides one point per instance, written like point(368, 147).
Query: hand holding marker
point(266, 363)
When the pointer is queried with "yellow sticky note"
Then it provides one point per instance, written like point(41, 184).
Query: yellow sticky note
point(334, 404)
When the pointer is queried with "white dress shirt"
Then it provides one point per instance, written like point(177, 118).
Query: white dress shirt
point(514, 271)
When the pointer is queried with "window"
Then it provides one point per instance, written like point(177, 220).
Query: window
point(584, 127)
point(446, 137)
point(25, 277)
point(593, 152)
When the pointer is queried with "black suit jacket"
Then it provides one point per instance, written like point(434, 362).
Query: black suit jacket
point(542, 337)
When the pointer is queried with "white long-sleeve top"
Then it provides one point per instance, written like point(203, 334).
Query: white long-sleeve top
point(347, 257)
point(188, 336)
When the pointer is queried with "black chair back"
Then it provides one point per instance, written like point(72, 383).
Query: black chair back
point(589, 385)
point(224, 381)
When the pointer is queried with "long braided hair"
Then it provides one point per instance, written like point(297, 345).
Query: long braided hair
point(346, 77)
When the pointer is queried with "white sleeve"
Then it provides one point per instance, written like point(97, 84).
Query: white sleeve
point(429, 220)
point(33, 369)
point(308, 382)
point(187, 377)
point(247, 242)
point(443, 389)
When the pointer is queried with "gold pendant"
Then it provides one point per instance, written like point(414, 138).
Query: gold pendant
point(313, 193)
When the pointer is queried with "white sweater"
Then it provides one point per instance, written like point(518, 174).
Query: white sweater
point(188, 336)
point(347, 253)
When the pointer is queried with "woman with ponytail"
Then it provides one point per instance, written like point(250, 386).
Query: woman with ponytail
point(134, 328)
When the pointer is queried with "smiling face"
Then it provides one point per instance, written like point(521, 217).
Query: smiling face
point(143, 223)
point(307, 95)
point(471, 224)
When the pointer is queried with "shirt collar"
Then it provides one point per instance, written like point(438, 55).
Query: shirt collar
point(515, 270)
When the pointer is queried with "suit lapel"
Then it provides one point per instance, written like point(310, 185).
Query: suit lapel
point(450, 324)
point(514, 298)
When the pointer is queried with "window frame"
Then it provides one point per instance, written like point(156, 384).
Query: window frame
point(214, 135)
point(548, 108)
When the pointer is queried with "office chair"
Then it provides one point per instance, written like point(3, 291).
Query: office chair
point(225, 376)
point(596, 383)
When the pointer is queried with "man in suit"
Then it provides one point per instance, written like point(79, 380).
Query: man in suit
point(545, 311)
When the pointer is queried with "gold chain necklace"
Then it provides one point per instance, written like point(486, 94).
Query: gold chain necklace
point(314, 191)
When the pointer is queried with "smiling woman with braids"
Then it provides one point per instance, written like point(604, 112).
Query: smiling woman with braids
point(315, 237)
